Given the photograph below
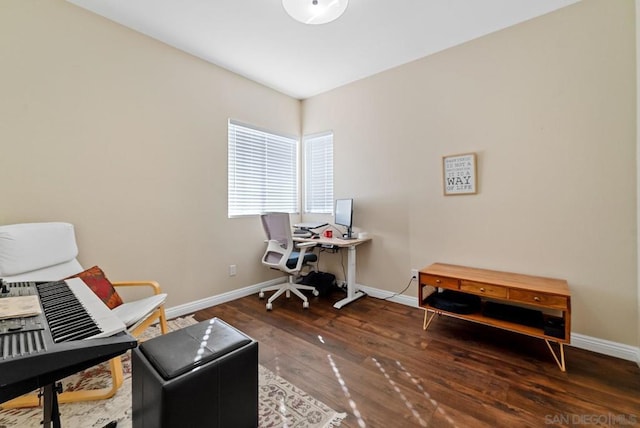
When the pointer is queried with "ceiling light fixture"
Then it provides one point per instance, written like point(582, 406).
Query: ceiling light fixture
point(315, 11)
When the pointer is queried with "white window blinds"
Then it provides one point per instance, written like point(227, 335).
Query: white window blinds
point(318, 173)
point(263, 171)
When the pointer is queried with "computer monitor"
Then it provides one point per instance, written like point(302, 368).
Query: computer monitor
point(344, 215)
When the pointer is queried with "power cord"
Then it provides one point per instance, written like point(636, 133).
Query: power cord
point(405, 289)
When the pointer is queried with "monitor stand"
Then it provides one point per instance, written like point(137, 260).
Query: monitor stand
point(348, 235)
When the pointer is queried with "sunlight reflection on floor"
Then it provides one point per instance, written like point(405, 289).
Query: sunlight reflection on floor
point(282, 408)
point(407, 403)
point(418, 385)
point(416, 382)
point(347, 394)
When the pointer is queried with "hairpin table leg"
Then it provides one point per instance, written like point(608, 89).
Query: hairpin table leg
point(426, 323)
point(560, 361)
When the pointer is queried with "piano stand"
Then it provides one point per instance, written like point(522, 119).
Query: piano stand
point(50, 409)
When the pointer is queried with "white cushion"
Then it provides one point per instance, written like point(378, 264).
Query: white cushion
point(28, 247)
point(51, 273)
point(131, 313)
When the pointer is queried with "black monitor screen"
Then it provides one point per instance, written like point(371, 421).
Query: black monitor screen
point(344, 212)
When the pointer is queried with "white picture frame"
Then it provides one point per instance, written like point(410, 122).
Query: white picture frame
point(459, 174)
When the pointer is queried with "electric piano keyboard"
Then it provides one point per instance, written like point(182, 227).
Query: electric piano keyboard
point(75, 331)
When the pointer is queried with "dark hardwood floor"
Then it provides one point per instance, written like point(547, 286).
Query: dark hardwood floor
point(372, 360)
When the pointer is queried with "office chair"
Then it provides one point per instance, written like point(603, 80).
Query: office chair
point(47, 252)
point(281, 255)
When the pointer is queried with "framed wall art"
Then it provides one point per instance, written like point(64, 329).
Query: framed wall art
point(459, 174)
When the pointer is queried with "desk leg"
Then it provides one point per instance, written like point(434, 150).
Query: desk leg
point(352, 293)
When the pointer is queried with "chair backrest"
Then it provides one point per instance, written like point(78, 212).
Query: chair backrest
point(38, 251)
point(277, 227)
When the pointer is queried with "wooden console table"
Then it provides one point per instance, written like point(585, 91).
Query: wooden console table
point(548, 295)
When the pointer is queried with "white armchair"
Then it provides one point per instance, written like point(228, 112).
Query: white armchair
point(47, 252)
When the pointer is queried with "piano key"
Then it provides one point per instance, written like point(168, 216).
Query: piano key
point(64, 303)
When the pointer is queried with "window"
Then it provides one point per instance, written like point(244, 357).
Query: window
point(318, 173)
point(263, 171)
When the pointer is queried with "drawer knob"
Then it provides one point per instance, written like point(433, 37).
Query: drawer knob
point(438, 281)
point(536, 298)
point(482, 289)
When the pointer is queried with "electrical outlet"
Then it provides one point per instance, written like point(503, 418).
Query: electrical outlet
point(232, 270)
point(414, 273)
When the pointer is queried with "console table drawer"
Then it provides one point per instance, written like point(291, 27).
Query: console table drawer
point(439, 281)
point(483, 289)
point(547, 300)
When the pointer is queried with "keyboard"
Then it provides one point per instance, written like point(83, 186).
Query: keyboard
point(74, 331)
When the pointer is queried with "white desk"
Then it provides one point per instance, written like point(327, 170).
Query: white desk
point(350, 245)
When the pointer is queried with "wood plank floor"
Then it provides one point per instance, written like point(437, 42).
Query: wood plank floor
point(372, 360)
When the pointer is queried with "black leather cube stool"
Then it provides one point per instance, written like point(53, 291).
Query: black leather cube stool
point(204, 375)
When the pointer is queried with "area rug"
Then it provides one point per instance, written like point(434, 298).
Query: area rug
point(281, 404)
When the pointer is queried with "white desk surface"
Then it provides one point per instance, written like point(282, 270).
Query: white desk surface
point(333, 241)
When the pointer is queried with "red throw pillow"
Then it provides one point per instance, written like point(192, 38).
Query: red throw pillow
point(97, 281)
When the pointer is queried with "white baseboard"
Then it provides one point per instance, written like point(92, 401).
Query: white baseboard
point(207, 302)
point(594, 344)
point(606, 347)
point(387, 295)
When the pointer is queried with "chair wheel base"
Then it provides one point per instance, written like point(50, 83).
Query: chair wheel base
point(269, 306)
point(315, 292)
point(261, 295)
point(305, 305)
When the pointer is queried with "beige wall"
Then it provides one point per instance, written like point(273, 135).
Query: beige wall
point(637, 4)
point(127, 138)
point(549, 107)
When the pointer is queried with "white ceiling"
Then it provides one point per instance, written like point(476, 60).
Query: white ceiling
point(258, 40)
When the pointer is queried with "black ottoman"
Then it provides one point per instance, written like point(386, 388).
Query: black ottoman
point(204, 375)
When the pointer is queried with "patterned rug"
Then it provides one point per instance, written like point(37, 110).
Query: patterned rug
point(281, 404)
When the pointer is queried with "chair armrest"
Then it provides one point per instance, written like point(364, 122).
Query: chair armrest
point(153, 284)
